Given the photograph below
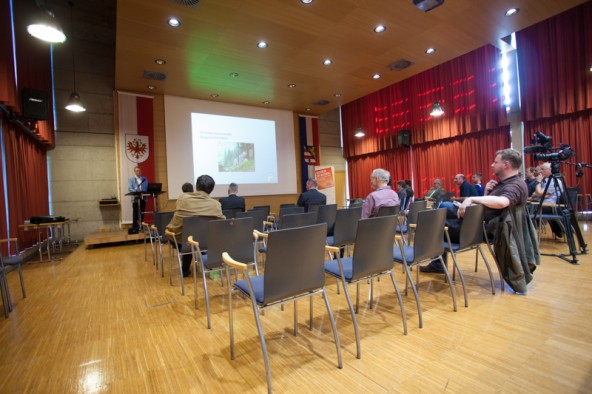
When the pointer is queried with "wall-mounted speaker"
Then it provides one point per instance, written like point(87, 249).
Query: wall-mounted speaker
point(35, 104)
point(404, 138)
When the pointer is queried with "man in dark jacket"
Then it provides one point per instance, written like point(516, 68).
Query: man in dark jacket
point(311, 196)
point(233, 201)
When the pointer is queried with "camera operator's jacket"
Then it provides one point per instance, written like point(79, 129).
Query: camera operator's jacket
point(515, 246)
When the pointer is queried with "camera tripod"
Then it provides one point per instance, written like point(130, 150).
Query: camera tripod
point(567, 216)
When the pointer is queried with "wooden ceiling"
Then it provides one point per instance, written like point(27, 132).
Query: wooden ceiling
point(219, 37)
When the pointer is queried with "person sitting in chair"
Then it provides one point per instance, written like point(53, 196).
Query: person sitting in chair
point(436, 191)
point(233, 201)
point(382, 196)
point(312, 196)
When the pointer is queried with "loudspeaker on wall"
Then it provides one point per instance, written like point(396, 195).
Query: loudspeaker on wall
point(35, 104)
point(404, 137)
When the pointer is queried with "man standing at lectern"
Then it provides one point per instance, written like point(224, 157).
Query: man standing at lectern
point(137, 183)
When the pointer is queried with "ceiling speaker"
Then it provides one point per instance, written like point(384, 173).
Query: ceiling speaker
point(404, 138)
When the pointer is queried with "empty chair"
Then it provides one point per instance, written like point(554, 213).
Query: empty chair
point(427, 246)
point(258, 216)
point(234, 236)
point(294, 270)
point(372, 258)
point(327, 214)
point(470, 238)
point(158, 249)
point(346, 224)
point(388, 211)
point(149, 237)
point(10, 263)
point(197, 227)
point(264, 208)
point(411, 218)
point(297, 220)
point(161, 219)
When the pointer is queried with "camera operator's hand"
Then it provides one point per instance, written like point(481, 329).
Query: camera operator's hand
point(490, 185)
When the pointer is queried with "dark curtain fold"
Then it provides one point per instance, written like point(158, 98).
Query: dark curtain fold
point(554, 59)
point(397, 161)
point(466, 154)
point(8, 90)
point(467, 87)
point(26, 178)
point(3, 219)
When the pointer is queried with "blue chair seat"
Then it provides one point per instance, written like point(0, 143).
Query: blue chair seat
point(332, 268)
point(330, 240)
point(407, 250)
point(454, 247)
point(401, 229)
point(12, 260)
point(257, 283)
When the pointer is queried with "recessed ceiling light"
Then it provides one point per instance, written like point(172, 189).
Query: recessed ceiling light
point(379, 28)
point(265, 102)
point(337, 95)
point(262, 44)
point(233, 75)
point(306, 1)
point(160, 61)
point(327, 62)
point(151, 87)
point(376, 76)
point(429, 51)
point(512, 11)
point(214, 95)
point(174, 22)
point(308, 109)
point(591, 69)
point(292, 85)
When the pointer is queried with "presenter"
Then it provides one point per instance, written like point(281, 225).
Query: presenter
point(137, 183)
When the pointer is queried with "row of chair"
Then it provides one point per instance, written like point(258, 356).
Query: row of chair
point(11, 262)
point(295, 265)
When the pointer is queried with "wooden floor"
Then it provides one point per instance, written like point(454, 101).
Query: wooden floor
point(103, 320)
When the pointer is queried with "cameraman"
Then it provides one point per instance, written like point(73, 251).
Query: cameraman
point(552, 197)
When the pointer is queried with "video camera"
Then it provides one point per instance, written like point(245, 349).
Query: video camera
point(542, 151)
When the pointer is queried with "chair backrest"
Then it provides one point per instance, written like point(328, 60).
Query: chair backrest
point(290, 210)
point(346, 225)
point(472, 225)
point(197, 226)
point(429, 234)
point(231, 213)
point(234, 236)
point(447, 196)
point(264, 208)
point(298, 220)
point(414, 209)
point(294, 262)
point(572, 196)
point(326, 214)
point(258, 216)
point(161, 219)
point(388, 211)
point(313, 207)
point(356, 203)
point(290, 205)
point(374, 246)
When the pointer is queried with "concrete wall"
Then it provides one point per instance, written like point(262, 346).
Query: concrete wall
point(82, 167)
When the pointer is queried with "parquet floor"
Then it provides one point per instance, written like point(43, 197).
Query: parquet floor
point(103, 320)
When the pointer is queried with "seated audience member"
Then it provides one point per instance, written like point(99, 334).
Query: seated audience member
point(476, 179)
point(553, 195)
point(382, 196)
point(531, 181)
point(508, 192)
point(436, 191)
point(409, 190)
point(466, 190)
point(233, 201)
point(187, 188)
point(198, 203)
point(401, 191)
point(312, 196)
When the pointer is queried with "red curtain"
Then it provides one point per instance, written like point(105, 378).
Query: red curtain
point(397, 161)
point(554, 59)
point(24, 153)
point(464, 154)
point(467, 87)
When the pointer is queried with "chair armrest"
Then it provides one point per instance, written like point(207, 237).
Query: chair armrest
point(331, 249)
point(191, 242)
point(412, 225)
point(233, 263)
point(258, 234)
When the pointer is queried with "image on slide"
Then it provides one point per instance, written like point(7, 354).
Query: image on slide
point(236, 157)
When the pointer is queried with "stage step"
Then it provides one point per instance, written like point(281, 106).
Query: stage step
point(111, 237)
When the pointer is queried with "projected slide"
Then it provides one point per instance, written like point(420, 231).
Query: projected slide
point(234, 149)
point(250, 146)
